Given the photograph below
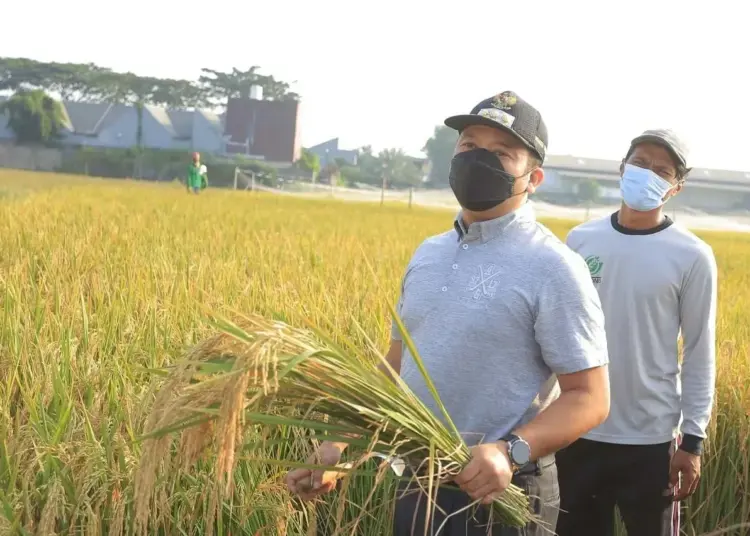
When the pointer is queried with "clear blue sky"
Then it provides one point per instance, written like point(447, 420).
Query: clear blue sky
point(385, 73)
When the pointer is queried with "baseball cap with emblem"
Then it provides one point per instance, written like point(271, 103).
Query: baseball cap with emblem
point(507, 111)
point(666, 138)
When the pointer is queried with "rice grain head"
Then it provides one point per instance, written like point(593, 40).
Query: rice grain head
point(194, 442)
point(53, 509)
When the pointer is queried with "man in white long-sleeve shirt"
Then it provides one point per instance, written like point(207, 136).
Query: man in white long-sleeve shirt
point(656, 280)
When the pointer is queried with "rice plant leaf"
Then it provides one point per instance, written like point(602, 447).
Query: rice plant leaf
point(296, 361)
point(176, 427)
point(63, 424)
point(230, 328)
point(213, 367)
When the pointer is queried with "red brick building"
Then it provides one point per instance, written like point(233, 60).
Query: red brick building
point(264, 128)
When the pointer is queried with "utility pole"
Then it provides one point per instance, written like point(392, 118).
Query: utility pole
point(382, 188)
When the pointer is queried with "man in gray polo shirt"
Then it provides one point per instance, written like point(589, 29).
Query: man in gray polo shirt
point(499, 309)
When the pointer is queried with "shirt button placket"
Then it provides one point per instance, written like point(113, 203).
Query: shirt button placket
point(454, 269)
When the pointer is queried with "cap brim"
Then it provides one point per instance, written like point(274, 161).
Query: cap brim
point(659, 141)
point(460, 122)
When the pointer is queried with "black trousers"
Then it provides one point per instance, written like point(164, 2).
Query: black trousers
point(538, 480)
point(596, 476)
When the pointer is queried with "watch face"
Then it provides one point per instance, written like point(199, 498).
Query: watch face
point(520, 452)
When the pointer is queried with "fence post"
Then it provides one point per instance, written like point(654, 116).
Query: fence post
point(411, 194)
point(236, 169)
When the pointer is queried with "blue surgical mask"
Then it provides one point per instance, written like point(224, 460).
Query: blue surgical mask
point(642, 189)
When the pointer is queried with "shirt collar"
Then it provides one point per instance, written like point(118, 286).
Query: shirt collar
point(484, 231)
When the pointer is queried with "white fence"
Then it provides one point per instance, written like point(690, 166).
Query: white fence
point(444, 199)
point(246, 180)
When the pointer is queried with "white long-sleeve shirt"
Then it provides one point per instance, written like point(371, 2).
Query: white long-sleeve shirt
point(654, 285)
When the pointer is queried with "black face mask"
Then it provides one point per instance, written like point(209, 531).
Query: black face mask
point(479, 181)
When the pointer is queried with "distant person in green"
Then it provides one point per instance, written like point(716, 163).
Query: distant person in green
point(197, 175)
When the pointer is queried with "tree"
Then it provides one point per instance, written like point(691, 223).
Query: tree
point(20, 73)
point(439, 150)
point(309, 162)
point(398, 168)
point(71, 81)
point(34, 116)
point(276, 90)
point(91, 83)
point(78, 82)
point(138, 91)
point(351, 175)
point(178, 94)
point(370, 166)
point(221, 86)
point(589, 190)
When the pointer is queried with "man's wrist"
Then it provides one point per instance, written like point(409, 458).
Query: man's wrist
point(692, 444)
point(517, 451)
point(502, 446)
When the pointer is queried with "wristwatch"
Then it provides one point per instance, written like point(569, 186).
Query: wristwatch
point(519, 451)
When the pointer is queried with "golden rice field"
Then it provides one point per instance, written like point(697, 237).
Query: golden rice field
point(103, 281)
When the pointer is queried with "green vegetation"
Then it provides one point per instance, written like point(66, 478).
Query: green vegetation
point(102, 282)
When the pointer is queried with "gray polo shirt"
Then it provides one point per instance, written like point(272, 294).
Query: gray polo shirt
point(496, 311)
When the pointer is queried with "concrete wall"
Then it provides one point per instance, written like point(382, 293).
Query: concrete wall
point(33, 158)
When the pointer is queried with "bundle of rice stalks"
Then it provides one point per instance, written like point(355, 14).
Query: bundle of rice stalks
point(261, 372)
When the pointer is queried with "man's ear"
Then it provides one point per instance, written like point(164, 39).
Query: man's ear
point(674, 191)
point(622, 167)
point(536, 178)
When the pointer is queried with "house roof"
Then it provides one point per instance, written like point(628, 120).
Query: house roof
point(90, 118)
point(161, 115)
point(331, 145)
point(182, 123)
point(595, 165)
point(216, 121)
point(83, 117)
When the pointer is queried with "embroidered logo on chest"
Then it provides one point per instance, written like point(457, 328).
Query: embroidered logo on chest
point(484, 284)
point(595, 265)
